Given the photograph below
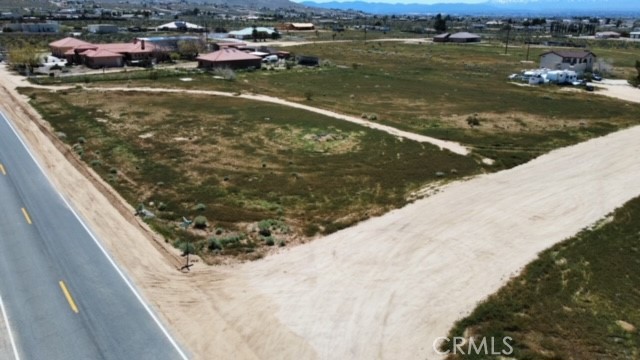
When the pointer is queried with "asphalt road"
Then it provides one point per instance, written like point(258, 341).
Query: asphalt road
point(62, 294)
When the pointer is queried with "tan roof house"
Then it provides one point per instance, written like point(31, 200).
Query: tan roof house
point(576, 60)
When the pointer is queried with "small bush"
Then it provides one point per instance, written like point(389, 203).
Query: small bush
point(214, 244)
point(81, 140)
point(308, 95)
point(473, 120)
point(269, 241)
point(200, 222)
point(162, 206)
point(225, 73)
point(200, 207)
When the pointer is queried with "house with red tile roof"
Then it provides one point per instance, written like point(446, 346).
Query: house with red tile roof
point(58, 48)
point(102, 58)
point(229, 57)
point(106, 55)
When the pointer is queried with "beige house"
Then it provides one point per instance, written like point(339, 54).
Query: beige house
point(576, 60)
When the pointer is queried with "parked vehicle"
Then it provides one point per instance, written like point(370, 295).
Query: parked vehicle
point(270, 59)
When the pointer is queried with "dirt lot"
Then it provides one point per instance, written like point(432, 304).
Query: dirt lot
point(383, 289)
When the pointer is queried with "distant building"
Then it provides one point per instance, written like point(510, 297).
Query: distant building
point(229, 57)
point(461, 37)
point(441, 37)
point(580, 61)
point(171, 43)
point(607, 35)
point(180, 26)
point(102, 29)
point(247, 33)
point(45, 27)
point(297, 26)
point(464, 37)
point(635, 35)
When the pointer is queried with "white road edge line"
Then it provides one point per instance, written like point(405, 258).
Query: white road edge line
point(11, 339)
point(113, 263)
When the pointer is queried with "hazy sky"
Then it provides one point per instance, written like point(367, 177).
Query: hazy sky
point(408, 1)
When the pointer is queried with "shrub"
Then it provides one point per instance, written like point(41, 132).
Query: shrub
point(186, 247)
point(308, 95)
point(311, 230)
point(95, 163)
point(214, 244)
point(200, 207)
point(81, 140)
point(269, 241)
point(225, 73)
point(473, 120)
point(200, 222)
point(162, 206)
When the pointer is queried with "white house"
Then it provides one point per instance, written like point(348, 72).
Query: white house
point(576, 60)
point(102, 28)
point(635, 35)
point(247, 33)
point(179, 26)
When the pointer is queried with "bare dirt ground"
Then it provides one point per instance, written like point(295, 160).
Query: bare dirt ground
point(619, 89)
point(385, 288)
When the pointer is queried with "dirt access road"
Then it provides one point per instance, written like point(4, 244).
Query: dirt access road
point(385, 288)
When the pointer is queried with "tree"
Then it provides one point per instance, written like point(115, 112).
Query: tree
point(638, 69)
point(24, 57)
point(189, 49)
point(440, 24)
point(254, 34)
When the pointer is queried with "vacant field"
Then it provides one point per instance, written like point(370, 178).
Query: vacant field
point(261, 174)
point(579, 300)
point(439, 90)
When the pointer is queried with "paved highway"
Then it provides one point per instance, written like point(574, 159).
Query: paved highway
point(63, 296)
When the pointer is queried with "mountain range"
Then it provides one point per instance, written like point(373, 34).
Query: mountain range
point(492, 7)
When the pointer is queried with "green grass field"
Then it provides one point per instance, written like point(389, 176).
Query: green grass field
point(574, 301)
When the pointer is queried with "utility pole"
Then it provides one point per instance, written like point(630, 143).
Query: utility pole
point(185, 225)
point(506, 46)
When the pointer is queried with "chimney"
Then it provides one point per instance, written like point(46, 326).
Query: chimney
point(142, 44)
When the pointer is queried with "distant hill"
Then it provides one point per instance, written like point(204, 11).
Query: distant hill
point(250, 4)
point(492, 7)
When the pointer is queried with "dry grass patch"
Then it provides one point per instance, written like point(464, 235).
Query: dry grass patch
point(242, 164)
